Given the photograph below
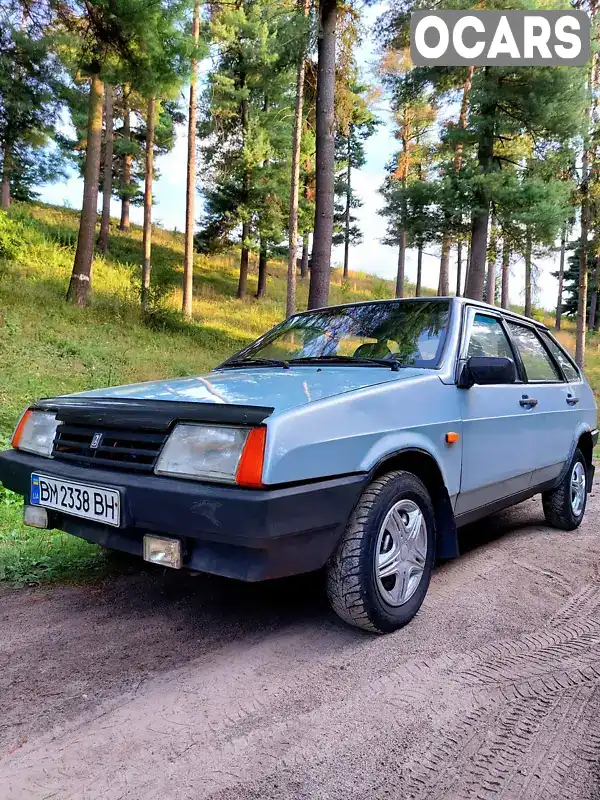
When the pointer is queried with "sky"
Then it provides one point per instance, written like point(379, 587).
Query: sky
point(371, 256)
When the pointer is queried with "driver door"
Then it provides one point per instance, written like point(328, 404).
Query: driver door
point(497, 423)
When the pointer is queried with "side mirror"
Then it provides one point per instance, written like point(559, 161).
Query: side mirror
point(486, 370)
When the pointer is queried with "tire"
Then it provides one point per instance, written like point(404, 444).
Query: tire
point(564, 507)
point(374, 541)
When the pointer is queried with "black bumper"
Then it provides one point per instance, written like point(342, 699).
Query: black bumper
point(248, 534)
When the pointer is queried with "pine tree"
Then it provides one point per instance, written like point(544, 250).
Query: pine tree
point(570, 304)
point(561, 277)
point(304, 10)
point(509, 103)
point(408, 190)
point(130, 42)
point(245, 124)
point(325, 155)
point(350, 155)
point(30, 101)
point(107, 177)
point(188, 258)
point(124, 150)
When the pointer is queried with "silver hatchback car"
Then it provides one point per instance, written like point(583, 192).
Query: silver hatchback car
point(357, 438)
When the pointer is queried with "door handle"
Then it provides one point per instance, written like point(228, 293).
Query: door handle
point(528, 402)
point(572, 400)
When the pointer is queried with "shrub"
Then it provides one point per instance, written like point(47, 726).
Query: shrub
point(10, 238)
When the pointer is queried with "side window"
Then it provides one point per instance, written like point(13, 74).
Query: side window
point(563, 359)
point(537, 362)
point(488, 338)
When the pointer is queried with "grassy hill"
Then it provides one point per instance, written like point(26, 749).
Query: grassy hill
point(48, 347)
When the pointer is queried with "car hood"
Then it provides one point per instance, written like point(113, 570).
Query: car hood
point(278, 388)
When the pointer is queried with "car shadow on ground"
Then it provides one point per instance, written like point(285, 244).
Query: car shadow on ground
point(490, 529)
point(66, 650)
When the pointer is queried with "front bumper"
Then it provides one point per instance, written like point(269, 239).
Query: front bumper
point(248, 534)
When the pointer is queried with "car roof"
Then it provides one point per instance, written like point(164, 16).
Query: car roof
point(504, 311)
point(455, 300)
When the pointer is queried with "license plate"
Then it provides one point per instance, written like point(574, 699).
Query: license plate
point(163, 551)
point(78, 499)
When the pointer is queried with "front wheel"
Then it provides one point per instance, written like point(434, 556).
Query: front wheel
point(564, 506)
point(380, 572)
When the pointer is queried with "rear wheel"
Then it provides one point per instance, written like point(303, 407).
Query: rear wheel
point(564, 506)
point(380, 572)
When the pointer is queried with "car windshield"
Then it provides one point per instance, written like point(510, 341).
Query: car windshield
point(410, 332)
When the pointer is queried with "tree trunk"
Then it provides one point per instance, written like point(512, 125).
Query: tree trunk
point(419, 269)
point(458, 268)
point(318, 294)
point(190, 192)
point(481, 215)
point(149, 175)
point(583, 279)
point(505, 272)
point(290, 302)
point(490, 285)
point(528, 303)
point(81, 277)
point(401, 260)
point(261, 290)
point(245, 251)
point(443, 283)
point(244, 259)
point(348, 203)
point(108, 169)
point(592, 325)
point(561, 277)
point(305, 254)
point(585, 223)
point(467, 267)
point(5, 192)
point(124, 224)
point(583, 265)
point(479, 235)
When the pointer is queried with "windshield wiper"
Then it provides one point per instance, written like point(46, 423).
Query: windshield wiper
point(255, 362)
point(392, 363)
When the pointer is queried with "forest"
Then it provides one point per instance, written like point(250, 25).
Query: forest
point(492, 165)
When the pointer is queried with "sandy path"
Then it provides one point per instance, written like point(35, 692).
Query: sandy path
point(153, 686)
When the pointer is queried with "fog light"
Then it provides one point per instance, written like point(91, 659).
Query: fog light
point(35, 517)
point(162, 551)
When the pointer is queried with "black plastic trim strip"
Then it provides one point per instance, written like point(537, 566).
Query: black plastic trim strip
point(504, 502)
point(150, 415)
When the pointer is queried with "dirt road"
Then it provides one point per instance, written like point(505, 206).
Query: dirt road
point(154, 687)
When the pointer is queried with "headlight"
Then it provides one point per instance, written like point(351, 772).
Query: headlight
point(35, 433)
point(214, 453)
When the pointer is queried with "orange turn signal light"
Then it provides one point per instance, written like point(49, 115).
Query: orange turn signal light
point(452, 437)
point(250, 468)
point(19, 429)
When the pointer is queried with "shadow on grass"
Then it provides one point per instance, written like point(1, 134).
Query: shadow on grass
point(222, 283)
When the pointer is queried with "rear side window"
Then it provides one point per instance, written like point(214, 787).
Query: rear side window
point(538, 364)
point(488, 338)
point(563, 359)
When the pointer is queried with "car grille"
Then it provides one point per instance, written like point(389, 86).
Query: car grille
point(111, 448)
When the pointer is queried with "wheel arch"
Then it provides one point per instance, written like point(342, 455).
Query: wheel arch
point(585, 443)
point(426, 468)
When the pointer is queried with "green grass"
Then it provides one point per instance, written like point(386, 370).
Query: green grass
point(49, 348)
